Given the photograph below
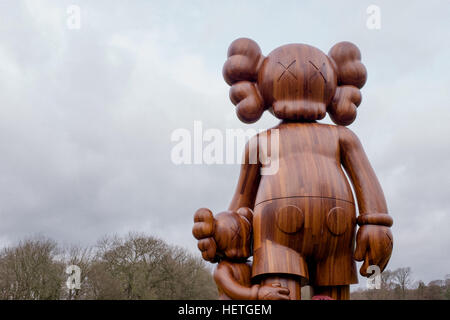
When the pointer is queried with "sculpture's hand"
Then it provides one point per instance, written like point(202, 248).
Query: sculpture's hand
point(203, 231)
point(374, 246)
point(273, 292)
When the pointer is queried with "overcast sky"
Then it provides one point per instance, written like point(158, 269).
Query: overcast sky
point(86, 115)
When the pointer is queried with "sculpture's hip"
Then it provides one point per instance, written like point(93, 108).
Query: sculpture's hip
point(310, 237)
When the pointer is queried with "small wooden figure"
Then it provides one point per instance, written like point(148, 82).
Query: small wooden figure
point(303, 215)
point(233, 272)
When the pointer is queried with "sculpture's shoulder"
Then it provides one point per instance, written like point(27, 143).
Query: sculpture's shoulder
point(347, 138)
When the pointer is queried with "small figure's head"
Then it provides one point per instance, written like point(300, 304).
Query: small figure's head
point(233, 233)
point(296, 82)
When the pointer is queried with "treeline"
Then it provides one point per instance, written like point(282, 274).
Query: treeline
point(399, 285)
point(133, 267)
point(137, 266)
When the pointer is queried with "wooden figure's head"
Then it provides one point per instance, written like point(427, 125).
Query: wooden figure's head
point(295, 82)
point(234, 231)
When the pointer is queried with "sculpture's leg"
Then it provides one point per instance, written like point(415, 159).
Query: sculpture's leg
point(334, 292)
point(291, 283)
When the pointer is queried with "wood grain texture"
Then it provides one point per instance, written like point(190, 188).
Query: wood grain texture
point(297, 82)
point(234, 282)
point(334, 292)
point(303, 216)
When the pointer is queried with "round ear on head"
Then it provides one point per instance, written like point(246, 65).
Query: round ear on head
point(351, 76)
point(240, 71)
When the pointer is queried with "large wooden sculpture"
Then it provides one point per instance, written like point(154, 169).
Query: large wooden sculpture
point(299, 223)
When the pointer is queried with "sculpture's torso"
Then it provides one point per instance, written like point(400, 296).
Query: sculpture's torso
point(309, 164)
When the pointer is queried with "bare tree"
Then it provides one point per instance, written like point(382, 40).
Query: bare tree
point(84, 258)
point(29, 271)
point(402, 277)
point(398, 284)
point(132, 267)
point(387, 279)
point(143, 267)
point(435, 290)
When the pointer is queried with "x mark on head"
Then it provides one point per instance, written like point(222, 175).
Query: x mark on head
point(286, 69)
point(319, 70)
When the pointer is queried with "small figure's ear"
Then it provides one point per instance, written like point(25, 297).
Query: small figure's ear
point(240, 71)
point(351, 76)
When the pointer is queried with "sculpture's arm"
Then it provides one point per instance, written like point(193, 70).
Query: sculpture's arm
point(223, 276)
point(374, 240)
point(368, 191)
point(207, 231)
point(249, 178)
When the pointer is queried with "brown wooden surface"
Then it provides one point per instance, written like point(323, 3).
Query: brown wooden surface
point(304, 215)
point(234, 282)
